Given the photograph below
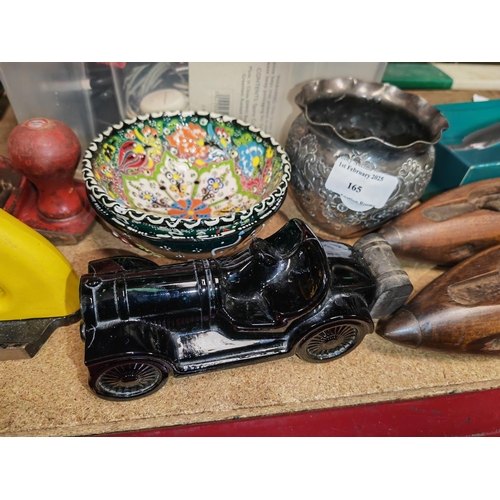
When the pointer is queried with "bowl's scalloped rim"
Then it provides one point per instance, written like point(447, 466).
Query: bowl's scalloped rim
point(276, 197)
point(428, 114)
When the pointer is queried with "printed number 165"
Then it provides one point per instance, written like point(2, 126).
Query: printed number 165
point(354, 187)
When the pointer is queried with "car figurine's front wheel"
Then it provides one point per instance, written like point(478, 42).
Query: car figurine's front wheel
point(129, 379)
point(332, 340)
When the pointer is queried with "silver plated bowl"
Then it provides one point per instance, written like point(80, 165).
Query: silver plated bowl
point(361, 152)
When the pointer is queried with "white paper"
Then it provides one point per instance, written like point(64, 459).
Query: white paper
point(359, 187)
point(262, 93)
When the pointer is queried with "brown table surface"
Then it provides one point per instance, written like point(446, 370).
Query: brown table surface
point(49, 396)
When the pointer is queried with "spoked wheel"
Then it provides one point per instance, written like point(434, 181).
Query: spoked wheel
point(333, 340)
point(128, 380)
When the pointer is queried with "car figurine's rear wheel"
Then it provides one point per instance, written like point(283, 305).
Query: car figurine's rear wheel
point(333, 340)
point(128, 379)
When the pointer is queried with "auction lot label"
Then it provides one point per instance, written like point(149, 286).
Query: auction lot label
point(359, 187)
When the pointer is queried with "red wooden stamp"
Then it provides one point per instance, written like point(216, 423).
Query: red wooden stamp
point(46, 152)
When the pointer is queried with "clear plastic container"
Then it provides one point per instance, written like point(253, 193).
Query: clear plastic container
point(79, 94)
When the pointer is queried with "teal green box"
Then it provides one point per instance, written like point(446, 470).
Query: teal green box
point(454, 168)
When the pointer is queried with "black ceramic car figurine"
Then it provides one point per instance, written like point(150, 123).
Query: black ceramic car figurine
point(287, 294)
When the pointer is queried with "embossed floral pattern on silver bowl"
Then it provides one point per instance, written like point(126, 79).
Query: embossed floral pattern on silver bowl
point(362, 153)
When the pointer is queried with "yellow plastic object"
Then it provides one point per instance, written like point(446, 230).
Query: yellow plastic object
point(36, 280)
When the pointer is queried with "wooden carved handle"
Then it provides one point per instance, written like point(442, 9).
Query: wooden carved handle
point(458, 312)
point(47, 153)
point(451, 227)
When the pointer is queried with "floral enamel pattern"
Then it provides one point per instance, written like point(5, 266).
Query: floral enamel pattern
point(189, 166)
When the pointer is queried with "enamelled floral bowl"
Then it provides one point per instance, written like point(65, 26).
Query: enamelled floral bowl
point(185, 183)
